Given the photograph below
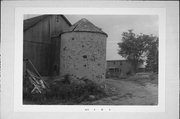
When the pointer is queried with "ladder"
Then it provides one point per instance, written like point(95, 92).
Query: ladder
point(35, 79)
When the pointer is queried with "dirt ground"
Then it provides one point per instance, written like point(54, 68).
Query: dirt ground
point(125, 92)
point(134, 90)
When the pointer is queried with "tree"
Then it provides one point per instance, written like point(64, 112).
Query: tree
point(135, 47)
point(152, 56)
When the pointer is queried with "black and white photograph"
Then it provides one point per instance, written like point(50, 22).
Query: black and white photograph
point(90, 59)
point(104, 59)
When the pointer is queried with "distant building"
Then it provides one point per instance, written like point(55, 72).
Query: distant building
point(42, 42)
point(121, 68)
point(118, 68)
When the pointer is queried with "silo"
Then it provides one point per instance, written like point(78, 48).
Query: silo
point(83, 51)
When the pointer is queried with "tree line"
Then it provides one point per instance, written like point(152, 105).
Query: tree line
point(140, 48)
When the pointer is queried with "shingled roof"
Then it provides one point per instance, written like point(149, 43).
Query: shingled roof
point(84, 25)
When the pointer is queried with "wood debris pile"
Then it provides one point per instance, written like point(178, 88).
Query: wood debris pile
point(37, 82)
point(33, 82)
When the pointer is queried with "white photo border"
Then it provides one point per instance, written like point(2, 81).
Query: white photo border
point(18, 61)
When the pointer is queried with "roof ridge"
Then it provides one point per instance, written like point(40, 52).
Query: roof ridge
point(40, 18)
point(86, 26)
point(76, 25)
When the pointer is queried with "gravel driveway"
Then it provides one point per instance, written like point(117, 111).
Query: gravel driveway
point(128, 93)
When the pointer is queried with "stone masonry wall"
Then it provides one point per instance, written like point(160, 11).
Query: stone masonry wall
point(83, 54)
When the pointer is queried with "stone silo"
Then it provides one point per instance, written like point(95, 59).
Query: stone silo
point(83, 51)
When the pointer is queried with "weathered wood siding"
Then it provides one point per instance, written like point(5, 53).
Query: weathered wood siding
point(39, 45)
point(55, 55)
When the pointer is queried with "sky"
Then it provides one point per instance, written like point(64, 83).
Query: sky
point(115, 25)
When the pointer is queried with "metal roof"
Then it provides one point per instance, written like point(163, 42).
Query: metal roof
point(84, 25)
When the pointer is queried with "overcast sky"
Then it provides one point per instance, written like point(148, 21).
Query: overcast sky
point(115, 25)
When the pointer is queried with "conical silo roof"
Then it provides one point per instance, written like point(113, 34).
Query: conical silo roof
point(84, 25)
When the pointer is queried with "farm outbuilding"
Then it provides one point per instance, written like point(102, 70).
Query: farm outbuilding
point(57, 48)
point(118, 68)
point(83, 51)
point(42, 42)
point(122, 68)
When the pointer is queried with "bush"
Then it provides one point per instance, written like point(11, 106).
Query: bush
point(67, 90)
point(143, 78)
point(73, 89)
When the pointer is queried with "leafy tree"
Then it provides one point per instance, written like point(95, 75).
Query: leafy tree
point(152, 56)
point(136, 47)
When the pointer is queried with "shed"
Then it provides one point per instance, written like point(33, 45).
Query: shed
point(83, 51)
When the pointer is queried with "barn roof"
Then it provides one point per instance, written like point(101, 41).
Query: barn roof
point(28, 23)
point(84, 25)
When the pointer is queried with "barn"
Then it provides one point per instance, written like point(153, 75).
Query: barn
point(42, 42)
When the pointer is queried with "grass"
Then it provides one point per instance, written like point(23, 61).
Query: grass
point(143, 78)
point(70, 90)
point(67, 90)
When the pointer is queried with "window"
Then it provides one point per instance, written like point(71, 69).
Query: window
point(111, 70)
point(116, 69)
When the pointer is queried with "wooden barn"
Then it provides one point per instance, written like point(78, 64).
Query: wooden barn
point(42, 42)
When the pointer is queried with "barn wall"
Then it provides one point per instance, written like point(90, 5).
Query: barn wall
point(39, 55)
point(83, 54)
point(55, 55)
point(58, 25)
point(38, 46)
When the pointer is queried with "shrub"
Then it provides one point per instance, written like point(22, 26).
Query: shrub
point(67, 90)
point(73, 89)
point(143, 78)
